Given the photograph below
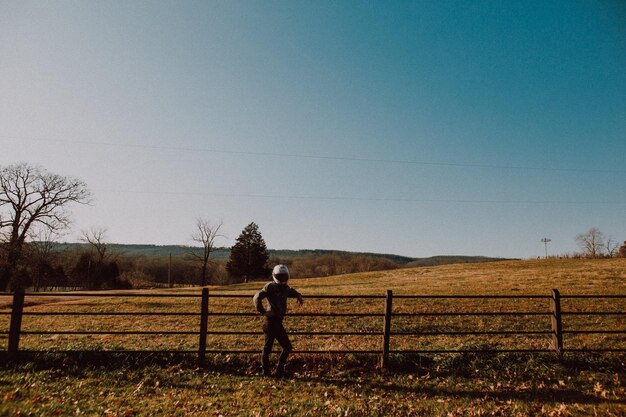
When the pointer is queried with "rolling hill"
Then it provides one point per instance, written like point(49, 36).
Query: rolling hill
point(222, 253)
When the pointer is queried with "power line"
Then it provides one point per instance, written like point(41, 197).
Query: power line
point(320, 157)
point(372, 199)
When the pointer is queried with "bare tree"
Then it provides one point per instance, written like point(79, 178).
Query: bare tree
point(611, 246)
point(29, 197)
point(205, 235)
point(96, 237)
point(99, 267)
point(43, 244)
point(592, 243)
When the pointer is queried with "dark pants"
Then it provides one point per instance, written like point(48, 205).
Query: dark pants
point(273, 329)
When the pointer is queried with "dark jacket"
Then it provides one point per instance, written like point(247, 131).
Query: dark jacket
point(276, 295)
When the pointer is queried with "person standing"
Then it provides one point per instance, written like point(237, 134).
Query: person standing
point(276, 292)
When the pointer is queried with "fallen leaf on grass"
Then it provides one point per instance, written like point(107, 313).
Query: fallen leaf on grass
point(599, 389)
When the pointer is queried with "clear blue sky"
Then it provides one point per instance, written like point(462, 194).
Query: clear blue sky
point(417, 128)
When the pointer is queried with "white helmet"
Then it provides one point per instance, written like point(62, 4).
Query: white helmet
point(280, 274)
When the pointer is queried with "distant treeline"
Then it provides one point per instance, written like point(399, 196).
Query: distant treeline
point(78, 265)
point(223, 252)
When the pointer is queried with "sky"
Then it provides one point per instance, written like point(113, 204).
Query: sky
point(415, 128)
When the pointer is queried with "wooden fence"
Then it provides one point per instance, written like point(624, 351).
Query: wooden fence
point(556, 333)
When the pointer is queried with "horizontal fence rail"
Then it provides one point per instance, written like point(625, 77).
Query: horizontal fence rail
point(556, 332)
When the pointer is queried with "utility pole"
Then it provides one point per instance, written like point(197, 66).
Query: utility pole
point(545, 241)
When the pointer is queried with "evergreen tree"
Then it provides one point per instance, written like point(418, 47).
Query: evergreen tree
point(248, 257)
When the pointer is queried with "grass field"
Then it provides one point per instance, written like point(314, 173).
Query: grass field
point(439, 385)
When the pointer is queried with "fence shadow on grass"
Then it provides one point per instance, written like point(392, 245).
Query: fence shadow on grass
point(443, 365)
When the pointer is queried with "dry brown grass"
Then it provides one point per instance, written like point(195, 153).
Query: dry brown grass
point(445, 385)
point(534, 277)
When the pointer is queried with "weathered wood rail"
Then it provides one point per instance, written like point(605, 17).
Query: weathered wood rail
point(557, 332)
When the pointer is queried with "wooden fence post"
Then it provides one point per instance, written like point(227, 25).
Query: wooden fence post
point(387, 329)
point(557, 323)
point(204, 322)
point(16, 322)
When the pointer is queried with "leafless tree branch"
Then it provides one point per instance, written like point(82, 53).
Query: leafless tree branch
point(592, 242)
point(29, 196)
point(206, 234)
point(96, 237)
